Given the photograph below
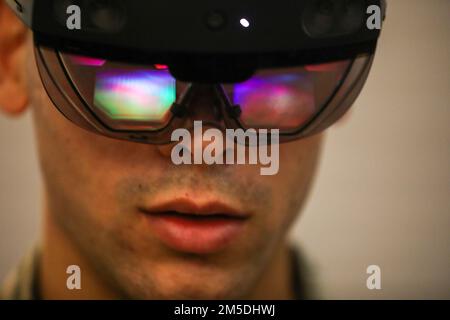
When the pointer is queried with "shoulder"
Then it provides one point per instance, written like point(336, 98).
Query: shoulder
point(303, 275)
point(20, 283)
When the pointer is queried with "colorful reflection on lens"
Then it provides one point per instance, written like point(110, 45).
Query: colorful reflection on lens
point(326, 67)
point(283, 100)
point(141, 95)
point(87, 61)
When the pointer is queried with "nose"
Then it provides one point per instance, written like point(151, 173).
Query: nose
point(202, 103)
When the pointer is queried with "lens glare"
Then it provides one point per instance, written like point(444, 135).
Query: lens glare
point(87, 61)
point(124, 96)
point(267, 100)
point(142, 95)
point(286, 98)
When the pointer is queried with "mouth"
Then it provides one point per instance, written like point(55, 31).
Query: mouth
point(189, 227)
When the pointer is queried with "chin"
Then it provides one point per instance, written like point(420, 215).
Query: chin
point(186, 291)
point(178, 284)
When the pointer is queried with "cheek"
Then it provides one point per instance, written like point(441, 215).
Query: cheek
point(85, 168)
point(298, 164)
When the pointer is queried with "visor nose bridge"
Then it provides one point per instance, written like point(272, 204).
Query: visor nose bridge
point(204, 103)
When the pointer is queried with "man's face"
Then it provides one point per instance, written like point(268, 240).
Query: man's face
point(97, 190)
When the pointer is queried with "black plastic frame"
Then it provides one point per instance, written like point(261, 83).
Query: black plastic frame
point(174, 32)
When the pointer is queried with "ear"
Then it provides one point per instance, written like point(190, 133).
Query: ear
point(13, 36)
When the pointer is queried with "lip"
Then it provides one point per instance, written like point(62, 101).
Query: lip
point(199, 228)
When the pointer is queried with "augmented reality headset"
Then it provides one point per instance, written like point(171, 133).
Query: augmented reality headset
point(134, 69)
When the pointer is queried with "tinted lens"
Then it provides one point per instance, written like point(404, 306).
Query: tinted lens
point(286, 98)
point(124, 96)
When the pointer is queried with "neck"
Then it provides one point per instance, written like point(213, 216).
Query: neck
point(59, 252)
